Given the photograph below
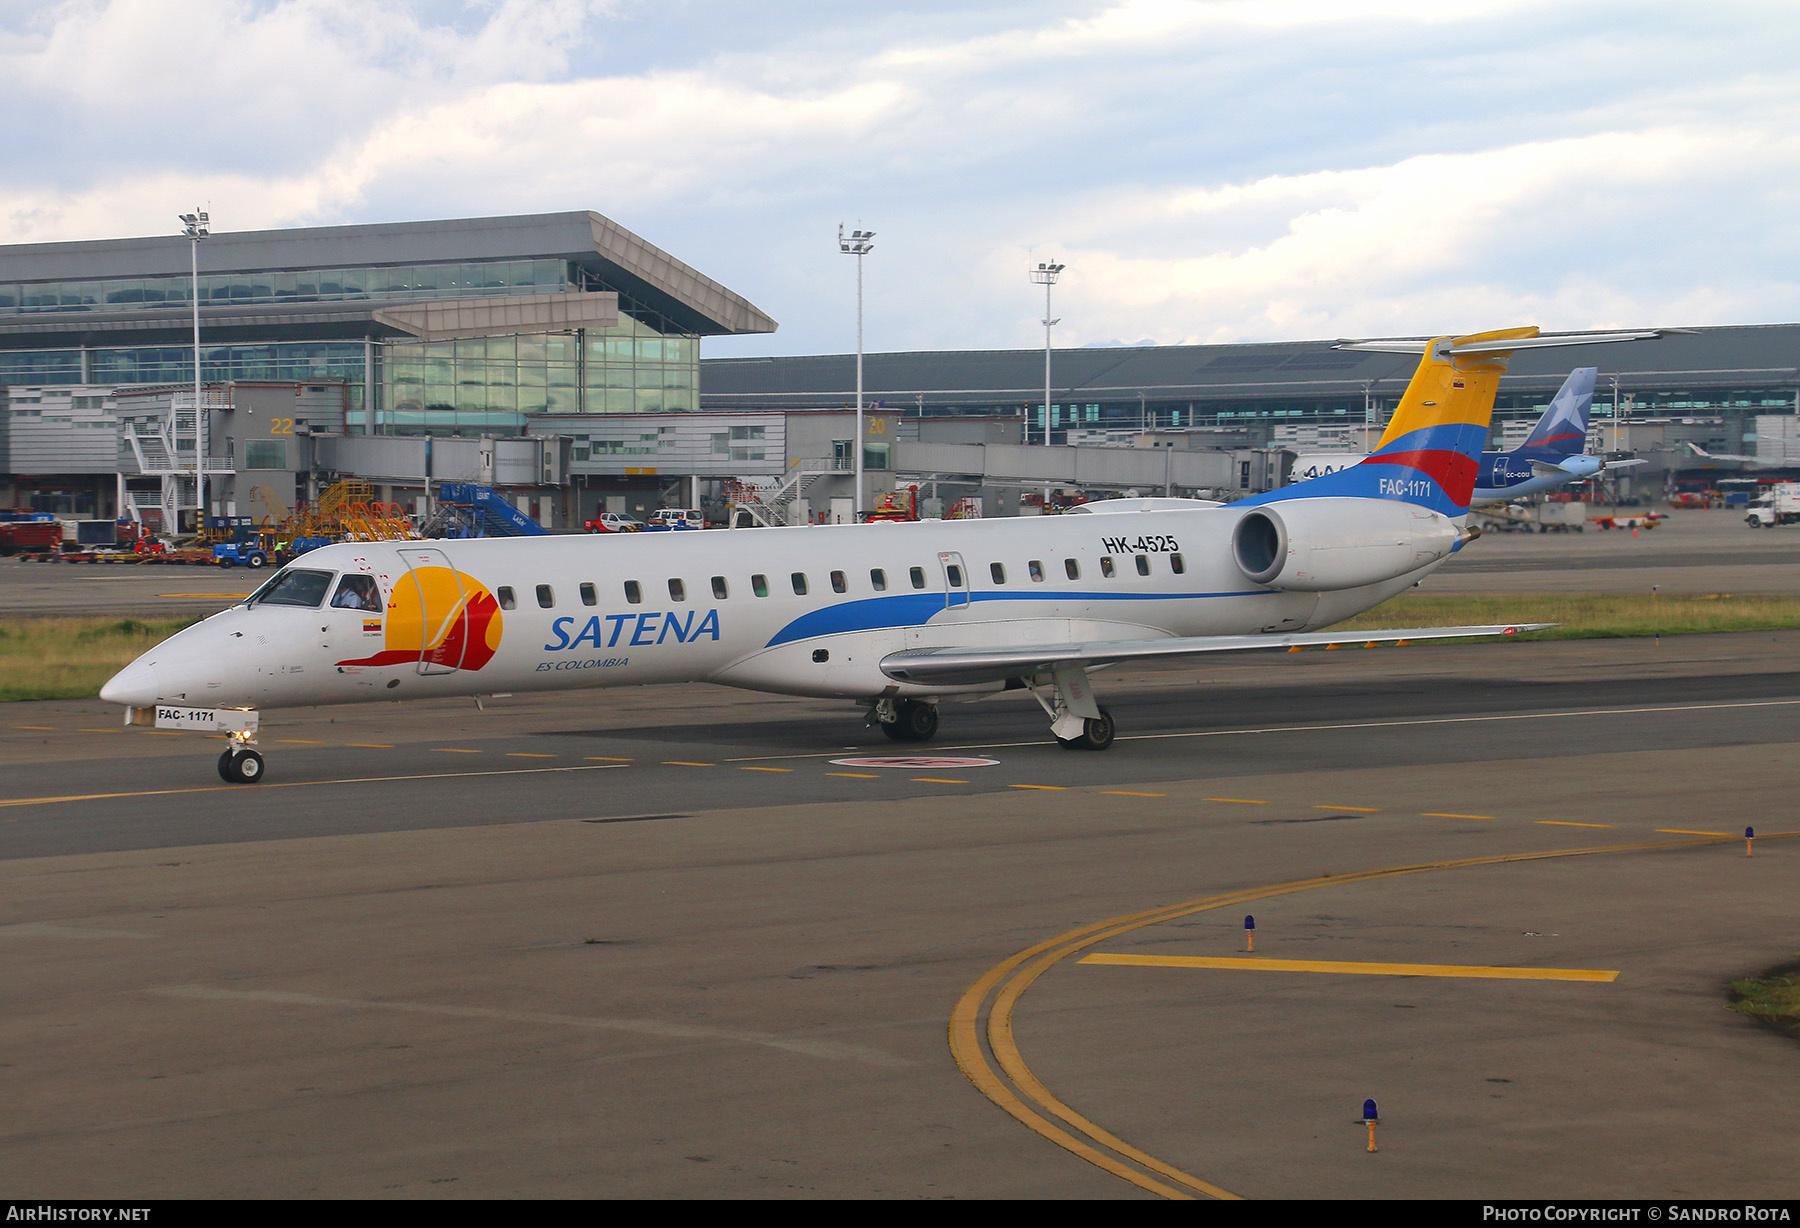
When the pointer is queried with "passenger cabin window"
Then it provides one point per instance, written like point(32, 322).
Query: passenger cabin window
point(954, 573)
point(838, 583)
point(1176, 565)
point(720, 591)
point(878, 580)
point(1106, 567)
point(546, 598)
point(303, 588)
point(998, 572)
point(505, 597)
point(633, 593)
point(1037, 571)
point(799, 584)
point(759, 585)
point(357, 593)
point(1143, 564)
point(589, 596)
point(1072, 568)
point(917, 575)
point(677, 591)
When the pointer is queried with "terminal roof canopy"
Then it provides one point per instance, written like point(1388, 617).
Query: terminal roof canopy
point(625, 262)
point(1748, 356)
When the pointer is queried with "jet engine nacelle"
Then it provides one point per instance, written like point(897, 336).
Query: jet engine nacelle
point(1318, 545)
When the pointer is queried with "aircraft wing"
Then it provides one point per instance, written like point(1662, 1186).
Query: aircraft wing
point(972, 665)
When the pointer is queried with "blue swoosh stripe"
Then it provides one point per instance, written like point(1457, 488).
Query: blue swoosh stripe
point(914, 609)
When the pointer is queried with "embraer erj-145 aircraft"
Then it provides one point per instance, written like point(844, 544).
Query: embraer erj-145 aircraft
point(895, 616)
point(1552, 455)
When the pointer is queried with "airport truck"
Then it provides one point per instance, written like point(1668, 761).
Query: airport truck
point(1779, 504)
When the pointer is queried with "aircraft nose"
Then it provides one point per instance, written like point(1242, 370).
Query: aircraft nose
point(136, 685)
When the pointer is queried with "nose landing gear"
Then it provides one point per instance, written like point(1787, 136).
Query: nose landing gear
point(241, 764)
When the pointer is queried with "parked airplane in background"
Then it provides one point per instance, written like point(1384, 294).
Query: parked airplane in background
point(895, 616)
point(1551, 456)
point(1737, 461)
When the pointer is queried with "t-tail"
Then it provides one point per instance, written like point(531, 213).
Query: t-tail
point(1562, 431)
point(1431, 450)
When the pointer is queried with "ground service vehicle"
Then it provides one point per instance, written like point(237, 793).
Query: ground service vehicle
point(612, 522)
point(1779, 504)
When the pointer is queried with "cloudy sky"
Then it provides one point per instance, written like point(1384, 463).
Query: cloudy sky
point(1209, 170)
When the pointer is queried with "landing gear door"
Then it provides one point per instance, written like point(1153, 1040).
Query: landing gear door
point(441, 602)
point(956, 580)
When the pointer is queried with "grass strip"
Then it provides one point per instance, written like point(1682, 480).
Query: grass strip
point(69, 658)
point(1585, 616)
point(1772, 999)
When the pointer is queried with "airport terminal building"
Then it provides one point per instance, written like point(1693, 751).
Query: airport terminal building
point(558, 356)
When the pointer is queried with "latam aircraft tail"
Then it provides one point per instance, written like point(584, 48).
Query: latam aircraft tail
point(1563, 428)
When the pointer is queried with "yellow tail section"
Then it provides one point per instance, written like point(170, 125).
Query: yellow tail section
point(1448, 391)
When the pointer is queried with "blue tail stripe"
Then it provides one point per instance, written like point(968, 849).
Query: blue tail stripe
point(1443, 437)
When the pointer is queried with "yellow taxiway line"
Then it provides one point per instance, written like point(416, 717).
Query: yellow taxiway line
point(999, 1072)
point(1351, 966)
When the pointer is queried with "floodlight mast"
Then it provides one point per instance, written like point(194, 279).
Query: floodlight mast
point(1045, 275)
point(197, 227)
point(859, 244)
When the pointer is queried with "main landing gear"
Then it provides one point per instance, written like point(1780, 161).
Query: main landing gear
point(1076, 721)
point(1096, 733)
point(907, 720)
point(241, 764)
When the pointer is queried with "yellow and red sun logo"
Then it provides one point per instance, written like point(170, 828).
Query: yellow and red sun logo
point(441, 617)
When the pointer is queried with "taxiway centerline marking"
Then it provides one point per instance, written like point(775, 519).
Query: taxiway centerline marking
point(1351, 967)
point(1358, 809)
point(932, 780)
point(1676, 831)
point(1432, 814)
point(1568, 823)
point(300, 784)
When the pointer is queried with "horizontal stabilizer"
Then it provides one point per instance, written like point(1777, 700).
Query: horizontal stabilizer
point(1499, 346)
point(1627, 464)
point(956, 666)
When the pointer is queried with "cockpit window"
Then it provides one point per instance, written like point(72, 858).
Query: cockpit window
point(357, 593)
point(294, 587)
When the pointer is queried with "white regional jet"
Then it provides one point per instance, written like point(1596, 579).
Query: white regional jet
point(895, 616)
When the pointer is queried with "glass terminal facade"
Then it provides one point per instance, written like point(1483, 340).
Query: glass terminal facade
point(642, 364)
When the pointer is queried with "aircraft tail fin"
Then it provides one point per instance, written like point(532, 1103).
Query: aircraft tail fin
point(1432, 447)
point(1563, 428)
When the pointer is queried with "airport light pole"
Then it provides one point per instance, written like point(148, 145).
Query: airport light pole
point(859, 244)
point(198, 226)
point(1045, 275)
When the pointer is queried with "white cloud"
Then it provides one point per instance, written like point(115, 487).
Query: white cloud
point(1208, 170)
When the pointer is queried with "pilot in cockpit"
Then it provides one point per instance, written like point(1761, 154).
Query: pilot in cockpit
point(357, 593)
